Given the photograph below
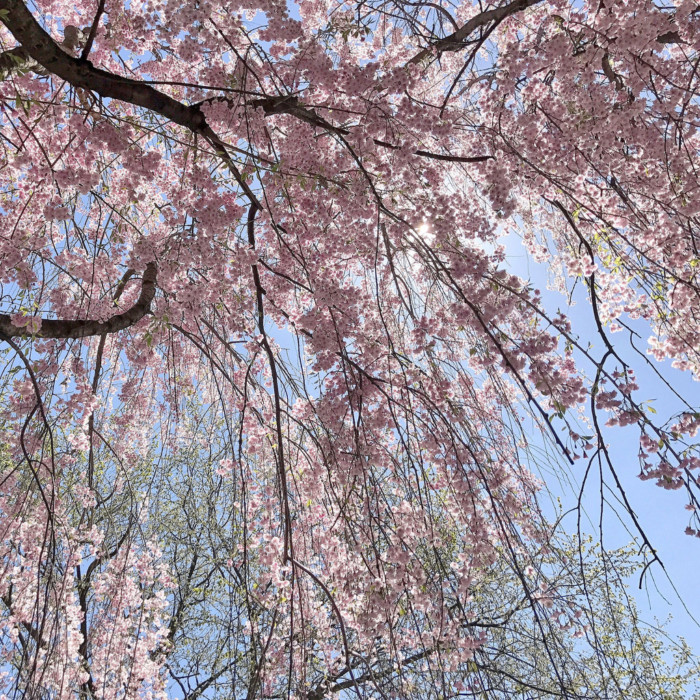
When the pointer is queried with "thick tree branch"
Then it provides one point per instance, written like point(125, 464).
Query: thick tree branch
point(58, 328)
point(43, 49)
point(38, 45)
point(455, 41)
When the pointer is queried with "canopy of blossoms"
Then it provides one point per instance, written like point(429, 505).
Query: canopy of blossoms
point(254, 297)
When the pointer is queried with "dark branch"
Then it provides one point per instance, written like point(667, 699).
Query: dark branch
point(93, 31)
point(455, 41)
point(291, 105)
point(43, 49)
point(38, 45)
point(57, 328)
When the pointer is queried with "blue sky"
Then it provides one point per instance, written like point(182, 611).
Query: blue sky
point(660, 512)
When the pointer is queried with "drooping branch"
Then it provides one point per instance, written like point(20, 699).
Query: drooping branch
point(62, 328)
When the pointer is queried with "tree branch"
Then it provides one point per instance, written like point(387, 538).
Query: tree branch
point(455, 41)
point(290, 104)
point(38, 45)
point(58, 328)
point(81, 73)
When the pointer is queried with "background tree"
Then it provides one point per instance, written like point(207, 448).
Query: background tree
point(266, 363)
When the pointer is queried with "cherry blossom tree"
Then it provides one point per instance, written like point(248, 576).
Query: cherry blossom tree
point(271, 391)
